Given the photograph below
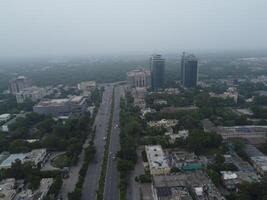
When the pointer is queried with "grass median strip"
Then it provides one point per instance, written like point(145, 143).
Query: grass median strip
point(101, 184)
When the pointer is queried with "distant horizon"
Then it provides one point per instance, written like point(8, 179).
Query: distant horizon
point(197, 52)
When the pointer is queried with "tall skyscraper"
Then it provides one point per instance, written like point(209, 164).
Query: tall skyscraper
point(189, 70)
point(157, 67)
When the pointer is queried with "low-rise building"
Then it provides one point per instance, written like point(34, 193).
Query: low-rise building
point(7, 189)
point(7, 163)
point(32, 94)
point(195, 185)
point(172, 109)
point(258, 159)
point(229, 180)
point(4, 117)
point(36, 156)
point(232, 179)
point(145, 111)
point(230, 93)
point(185, 161)
point(5, 126)
point(170, 187)
point(87, 87)
point(39, 194)
point(201, 186)
point(182, 134)
point(158, 163)
point(164, 123)
point(75, 105)
point(160, 102)
point(247, 131)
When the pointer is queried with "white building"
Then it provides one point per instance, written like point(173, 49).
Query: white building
point(157, 161)
point(230, 93)
point(182, 134)
point(4, 117)
point(165, 123)
point(139, 78)
point(32, 93)
point(36, 156)
point(87, 87)
point(7, 189)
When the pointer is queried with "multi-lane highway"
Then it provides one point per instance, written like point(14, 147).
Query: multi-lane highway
point(111, 190)
point(101, 123)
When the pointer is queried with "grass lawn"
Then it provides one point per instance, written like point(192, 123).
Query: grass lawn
point(60, 161)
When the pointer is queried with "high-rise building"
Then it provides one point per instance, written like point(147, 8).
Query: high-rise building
point(189, 70)
point(139, 78)
point(157, 67)
point(19, 83)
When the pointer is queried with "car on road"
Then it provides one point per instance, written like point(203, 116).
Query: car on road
point(104, 138)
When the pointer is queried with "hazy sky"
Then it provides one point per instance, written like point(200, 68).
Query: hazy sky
point(81, 27)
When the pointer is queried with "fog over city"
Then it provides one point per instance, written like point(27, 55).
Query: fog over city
point(86, 27)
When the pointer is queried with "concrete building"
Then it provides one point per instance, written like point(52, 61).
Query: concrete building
point(201, 186)
point(170, 187)
point(87, 87)
point(36, 156)
point(182, 134)
point(39, 194)
point(139, 95)
point(7, 189)
point(4, 117)
point(157, 161)
point(32, 93)
point(165, 123)
point(195, 185)
point(186, 161)
point(145, 111)
point(139, 78)
point(157, 68)
point(247, 131)
point(73, 106)
point(18, 84)
point(229, 180)
point(7, 163)
point(258, 159)
point(189, 70)
point(231, 93)
point(232, 179)
point(5, 126)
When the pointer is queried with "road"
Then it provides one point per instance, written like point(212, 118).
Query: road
point(101, 123)
point(111, 190)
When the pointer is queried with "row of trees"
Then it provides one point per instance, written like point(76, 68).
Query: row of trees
point(131, 129)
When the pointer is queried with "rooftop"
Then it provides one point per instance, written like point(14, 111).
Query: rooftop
point(11, 159)
point(156, 157)
point(53, 102)
point(3, 116)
